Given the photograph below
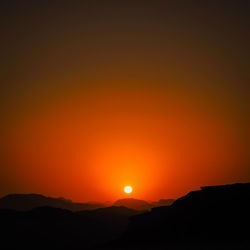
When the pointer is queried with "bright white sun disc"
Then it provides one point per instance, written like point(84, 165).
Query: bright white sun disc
point(128, 189)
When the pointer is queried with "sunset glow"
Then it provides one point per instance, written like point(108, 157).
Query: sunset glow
point(125, 124)
point(97, 95)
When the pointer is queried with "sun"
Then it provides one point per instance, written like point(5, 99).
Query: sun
point(128, 189)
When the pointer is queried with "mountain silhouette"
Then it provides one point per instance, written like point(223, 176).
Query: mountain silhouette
point(111, 214)
point(215, 217)
point(162, 202)
point(133, 204)
point(141, 204)
point(56, 228)
point(212, 216)
point(117, 218)
point(26, 202)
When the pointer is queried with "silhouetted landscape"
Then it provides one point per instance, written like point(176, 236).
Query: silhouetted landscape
point(125, 124)
point(24, 202)
point(215, 217)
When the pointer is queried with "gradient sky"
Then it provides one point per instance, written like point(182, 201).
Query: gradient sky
point(96, 95)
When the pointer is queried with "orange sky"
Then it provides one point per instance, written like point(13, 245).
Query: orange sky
point(89, 148)
point(99, 96)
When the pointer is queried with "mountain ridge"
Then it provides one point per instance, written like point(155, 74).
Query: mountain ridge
point(213, 215)
point(25, 202)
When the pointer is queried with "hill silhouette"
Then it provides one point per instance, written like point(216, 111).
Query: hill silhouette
point(212, 216)
point(215, 217)
point(56, 228)
point(111, 214)
point(133, 204)
point(162, 202)
point(141, 204)
point(24, 202)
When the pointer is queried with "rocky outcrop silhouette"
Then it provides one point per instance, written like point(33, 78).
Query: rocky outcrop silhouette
point(216, 215)
point(25, 202)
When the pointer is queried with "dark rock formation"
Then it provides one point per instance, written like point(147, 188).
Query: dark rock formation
point(216, 215)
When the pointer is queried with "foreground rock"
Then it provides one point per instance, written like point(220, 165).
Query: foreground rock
point(212, 216)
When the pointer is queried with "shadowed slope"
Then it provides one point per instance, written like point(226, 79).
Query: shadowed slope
point(216, 215)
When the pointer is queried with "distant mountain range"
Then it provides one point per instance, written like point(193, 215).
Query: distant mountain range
point(25, 202)
point(133, 203)
point(215, 217)
point(141, 204)
point(56, 228)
